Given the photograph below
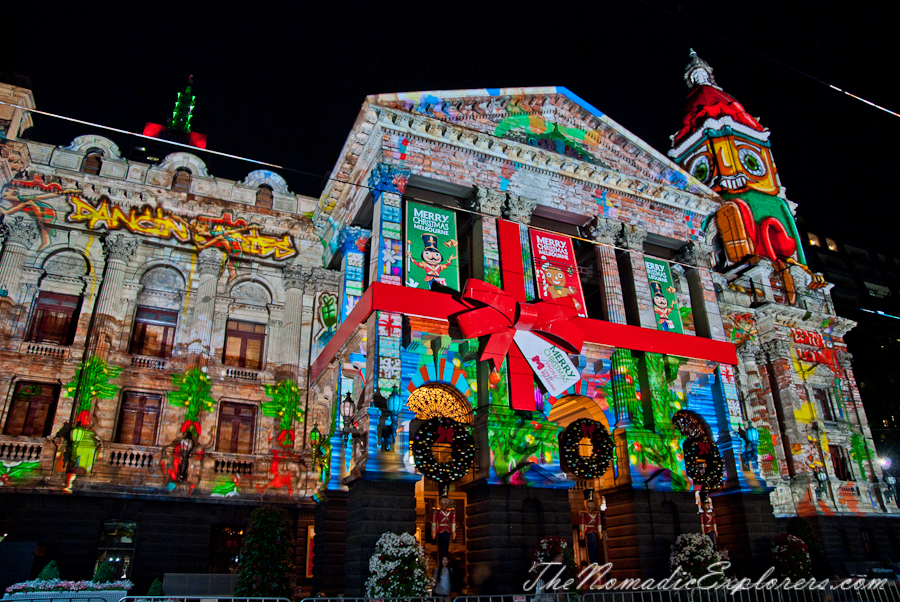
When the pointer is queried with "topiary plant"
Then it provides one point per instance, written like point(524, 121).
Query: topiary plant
point(694, 553)
point(50, 571)
point(156, 588)
point(106, 573)
point(266, 565)
point(803, 529)
point(791, 557)
point(398, 568)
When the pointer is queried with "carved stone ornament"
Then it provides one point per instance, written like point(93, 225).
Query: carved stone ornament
point(250, 293)
point(632, 237)
point(748, 352)
point(119, 247)
point(210, 262)
point(519, 209)
point(67, 264)
point(295, 276)
point(604, 230)
point(326, 280)
point(694, 253)
point(777, 349)
point(845, 359)
point(21, 230)
point(488, 201)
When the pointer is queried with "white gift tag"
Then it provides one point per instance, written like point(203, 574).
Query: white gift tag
point(550, 363)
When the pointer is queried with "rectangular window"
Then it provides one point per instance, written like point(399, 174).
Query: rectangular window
point(244, 345)
point(237, 421)
point(824, 400)
point(55, 318)
point(31, 410)
point(840, 463)
point(138, 419)
point(154, 332)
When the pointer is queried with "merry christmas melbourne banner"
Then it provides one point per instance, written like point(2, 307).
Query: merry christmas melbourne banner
point(556, 269)
point(431, 247)
point(662, 291)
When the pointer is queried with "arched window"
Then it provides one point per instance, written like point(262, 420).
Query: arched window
point(438, 399)
point(264, 197)
point(92, 163)
point(182, 180)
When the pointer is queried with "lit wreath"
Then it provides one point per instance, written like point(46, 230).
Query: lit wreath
point(455, 434)
point(703, 462)
point(586, 467)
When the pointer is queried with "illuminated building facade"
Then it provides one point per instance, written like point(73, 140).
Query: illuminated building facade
point(501, 292)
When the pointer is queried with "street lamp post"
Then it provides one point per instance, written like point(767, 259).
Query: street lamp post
point(394, 404)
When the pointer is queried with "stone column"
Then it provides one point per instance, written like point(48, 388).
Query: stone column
point(605, 231)
point(20, 233)
point(330, 544)
point(760, 279)
point(209, 264)
point(704, 304)
point(119, 249)
point(294, 278)
point(636, 293)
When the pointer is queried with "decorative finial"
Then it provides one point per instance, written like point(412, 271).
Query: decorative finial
point(698, 73)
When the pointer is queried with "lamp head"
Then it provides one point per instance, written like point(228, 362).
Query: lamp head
point(347, 409)
point(315, 436)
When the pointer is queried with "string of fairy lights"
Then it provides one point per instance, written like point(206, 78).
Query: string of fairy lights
point(774, 286)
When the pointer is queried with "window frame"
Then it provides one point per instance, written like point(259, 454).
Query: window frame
point(31, 412)
point(840, 462)
point(89, 157)
point(234, 443)
point(137, 331)
point(139, 419)
point(182, 186)
point(32, 335)
point(245, 336)
point(268, 200)
point(823, 396)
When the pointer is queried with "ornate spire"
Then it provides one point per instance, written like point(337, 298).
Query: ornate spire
point(699, 73)
point(184, 107)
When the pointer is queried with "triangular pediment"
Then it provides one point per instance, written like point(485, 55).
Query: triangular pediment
point(551, 118)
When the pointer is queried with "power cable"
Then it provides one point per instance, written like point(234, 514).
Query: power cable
point(768, 58)
point(363, 186)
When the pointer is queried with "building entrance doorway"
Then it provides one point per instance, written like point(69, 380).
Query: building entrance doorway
point(566, 411)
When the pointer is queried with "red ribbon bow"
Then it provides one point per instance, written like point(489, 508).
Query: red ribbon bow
point(587, 430)
point(286, 438)
point(444, 434)
point(704, 447)
point(191, 424)
point(501, 317)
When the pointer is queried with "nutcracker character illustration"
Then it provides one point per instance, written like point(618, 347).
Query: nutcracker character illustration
point(591, 527)
point(661, 308)
point(707, 517)
point(431, 260)
point(443, 524)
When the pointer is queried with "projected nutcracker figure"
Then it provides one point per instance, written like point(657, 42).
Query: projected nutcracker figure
point(591, 527)
point(443, 524)
point(431, 260)
point(707, 516)
point(661, 308)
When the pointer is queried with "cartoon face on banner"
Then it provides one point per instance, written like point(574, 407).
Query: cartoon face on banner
point(665, 300)
point(431, 244)
point(733, 163)
point(556, 269)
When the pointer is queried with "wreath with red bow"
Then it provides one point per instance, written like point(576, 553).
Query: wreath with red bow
point(454, 434)
point(595, 464)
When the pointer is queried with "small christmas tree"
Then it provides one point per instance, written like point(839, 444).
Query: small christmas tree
point(398, 568)
point(266, 565)
point(106, 573)
point(156, 588)
point(50, 571)
point(694, 553)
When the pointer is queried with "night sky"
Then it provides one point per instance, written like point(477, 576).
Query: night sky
point(285, 84)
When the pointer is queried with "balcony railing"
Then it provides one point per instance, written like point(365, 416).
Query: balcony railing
point(44, 350)
point(241, 374)
point(154, 363)
point(131, 456)
point(22, 450)
point(231, 463)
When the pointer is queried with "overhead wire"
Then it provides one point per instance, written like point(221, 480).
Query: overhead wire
point(768, 58)
point(346, 182)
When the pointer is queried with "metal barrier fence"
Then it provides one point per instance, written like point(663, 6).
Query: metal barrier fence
point(207, 598)
point(343, 599)
point(529, 597)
